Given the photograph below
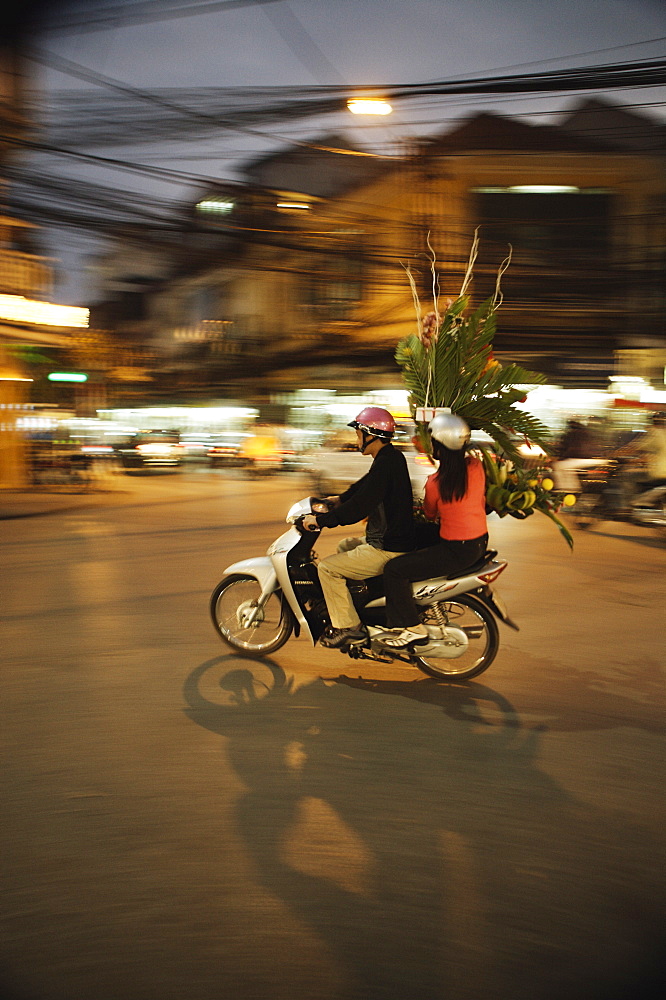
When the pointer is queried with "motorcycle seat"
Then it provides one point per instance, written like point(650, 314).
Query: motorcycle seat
point(488, 555)
point(373, 585)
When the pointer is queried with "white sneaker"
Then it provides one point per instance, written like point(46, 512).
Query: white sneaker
point(404, 637)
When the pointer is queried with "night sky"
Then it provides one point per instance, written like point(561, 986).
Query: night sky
point(152, 44)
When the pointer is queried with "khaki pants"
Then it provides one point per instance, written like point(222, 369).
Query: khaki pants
point(354, 560)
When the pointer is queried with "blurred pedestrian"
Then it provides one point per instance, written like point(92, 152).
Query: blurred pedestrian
point(653, 446)
point(576, 442)
point(574, 452)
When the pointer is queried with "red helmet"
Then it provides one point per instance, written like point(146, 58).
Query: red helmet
point(375, 420)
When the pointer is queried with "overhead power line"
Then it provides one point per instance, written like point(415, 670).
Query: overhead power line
point(121, 15)
point(139, 115)
point(122, 115)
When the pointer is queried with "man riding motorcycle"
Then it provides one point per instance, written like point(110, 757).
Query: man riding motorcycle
point(383, 496)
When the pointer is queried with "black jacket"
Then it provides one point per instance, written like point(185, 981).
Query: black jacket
point(384, 496)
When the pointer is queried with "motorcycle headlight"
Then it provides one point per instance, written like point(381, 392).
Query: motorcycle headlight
point(299, 509)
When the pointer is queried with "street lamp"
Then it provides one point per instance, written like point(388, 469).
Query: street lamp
point(369, 106)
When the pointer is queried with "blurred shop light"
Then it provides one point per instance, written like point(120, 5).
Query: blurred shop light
point(531, 451)
point(543, 189)
point(182, 417)
point(395, 400)
point(35, 423)
point(631, 386)
point(534, 189)
point(649, 395)
point(18, 309)
point(67, 377)
point(219, 205)
point(314, 394)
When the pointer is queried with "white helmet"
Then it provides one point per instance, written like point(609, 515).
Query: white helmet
point(449, 430)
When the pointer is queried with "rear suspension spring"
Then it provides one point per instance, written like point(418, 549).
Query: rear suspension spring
point(437, 615)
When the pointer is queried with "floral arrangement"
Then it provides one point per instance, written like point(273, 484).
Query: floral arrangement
point(514, 490)
point(449, 363)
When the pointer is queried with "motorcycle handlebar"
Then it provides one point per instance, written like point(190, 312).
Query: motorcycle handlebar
point(321, 505)
point(318, 505)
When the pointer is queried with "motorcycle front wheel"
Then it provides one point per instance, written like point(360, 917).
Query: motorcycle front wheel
point(231, 604)
point(470, 615)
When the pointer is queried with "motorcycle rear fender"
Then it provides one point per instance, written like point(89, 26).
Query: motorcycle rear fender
point(444, 588)
point(488, 598)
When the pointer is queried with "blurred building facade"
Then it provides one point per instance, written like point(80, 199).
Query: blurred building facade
point(298, 276)
point(30, 327)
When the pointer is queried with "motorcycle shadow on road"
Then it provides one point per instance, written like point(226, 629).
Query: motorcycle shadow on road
point(415, 835)
point(649, 541)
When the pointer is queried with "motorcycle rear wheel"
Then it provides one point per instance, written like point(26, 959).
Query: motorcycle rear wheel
point(233, 600)
point(473, 617)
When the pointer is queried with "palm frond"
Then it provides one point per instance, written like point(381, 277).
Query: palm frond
point(564, 531)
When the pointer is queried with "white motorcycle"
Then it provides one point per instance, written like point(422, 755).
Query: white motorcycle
point(260, 602)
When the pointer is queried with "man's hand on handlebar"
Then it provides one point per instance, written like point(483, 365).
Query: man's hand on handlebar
point(320, 505)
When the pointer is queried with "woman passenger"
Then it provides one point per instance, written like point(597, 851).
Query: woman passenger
point(456, 495)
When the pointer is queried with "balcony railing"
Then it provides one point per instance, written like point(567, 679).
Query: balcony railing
point(586, 290)
point(21, 274)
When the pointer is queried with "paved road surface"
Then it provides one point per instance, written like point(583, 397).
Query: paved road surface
point(179, 822)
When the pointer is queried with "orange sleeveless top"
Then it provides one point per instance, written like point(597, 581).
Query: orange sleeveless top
point(460, 520)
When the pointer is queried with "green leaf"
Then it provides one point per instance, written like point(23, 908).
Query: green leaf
point(412, 358)
point(565, 531)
